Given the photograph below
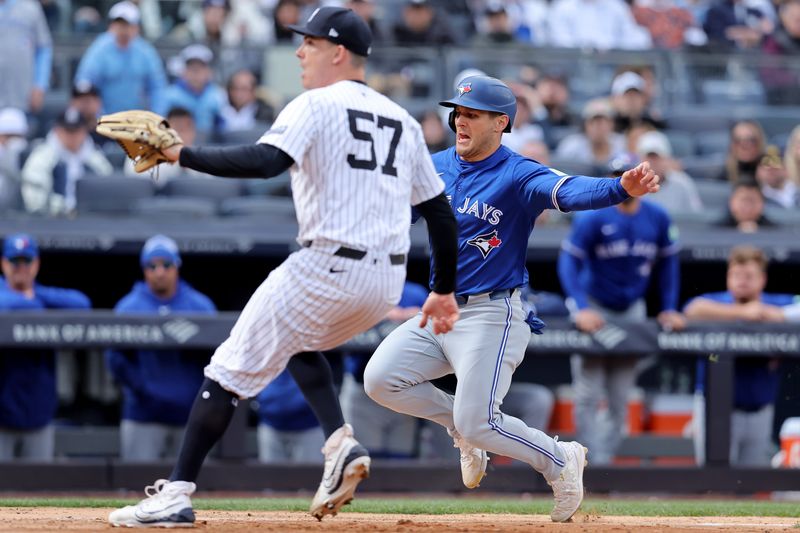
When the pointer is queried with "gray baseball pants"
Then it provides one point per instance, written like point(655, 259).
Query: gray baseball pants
point(483, 350)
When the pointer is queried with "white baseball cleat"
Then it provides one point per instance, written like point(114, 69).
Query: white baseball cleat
point(167, 505)
point(473, 461)
point(568, 487)
point(346, 464)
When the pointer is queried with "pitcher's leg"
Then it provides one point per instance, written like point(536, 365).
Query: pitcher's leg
point(398, 374)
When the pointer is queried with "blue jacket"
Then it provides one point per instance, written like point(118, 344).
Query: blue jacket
point(159, 386)
point(27, 377)
point(129, 78)
point(496, 202)
point(756, 379)
point(205, 105)
point(610, 257)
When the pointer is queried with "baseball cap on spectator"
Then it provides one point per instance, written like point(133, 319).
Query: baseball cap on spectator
point(197, 52)
point(627, 81)
point(621, 163)
point(71, 119)
point(494, 7)
point(20, 245)
point(339, 26)
point(771, 157)
point(417, 3)
point(125, 11)
point(13, 122)
point(84, 88)
point(160, 247)
point(654, 142)
point(598, 107)
point(216, 3)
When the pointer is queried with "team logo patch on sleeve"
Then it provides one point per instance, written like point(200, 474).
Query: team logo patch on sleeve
point(486, 242)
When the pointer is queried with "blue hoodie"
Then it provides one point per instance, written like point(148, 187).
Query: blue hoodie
point(28, 397)
point(159, 386)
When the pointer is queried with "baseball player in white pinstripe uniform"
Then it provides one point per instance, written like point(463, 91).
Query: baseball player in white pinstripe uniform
point(358, 161)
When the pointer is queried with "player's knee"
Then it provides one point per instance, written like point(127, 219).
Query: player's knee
point(375, 385)
point(471, 427)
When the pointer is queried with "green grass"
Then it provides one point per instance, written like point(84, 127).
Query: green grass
point(626, 507)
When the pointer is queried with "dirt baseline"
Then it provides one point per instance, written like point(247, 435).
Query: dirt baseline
point(24, 519)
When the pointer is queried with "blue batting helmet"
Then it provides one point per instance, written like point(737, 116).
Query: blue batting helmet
point(485, 94)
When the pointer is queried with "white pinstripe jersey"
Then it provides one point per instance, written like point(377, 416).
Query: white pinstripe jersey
point(360, 162)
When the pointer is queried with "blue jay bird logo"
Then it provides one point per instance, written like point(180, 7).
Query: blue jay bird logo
point(464, 88)
point(486, 242)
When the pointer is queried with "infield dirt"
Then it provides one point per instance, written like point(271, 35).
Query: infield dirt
point(25, 519)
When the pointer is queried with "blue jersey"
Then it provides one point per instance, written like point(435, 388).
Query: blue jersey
point(496, 202)
point(756, 379)
point(28, 397)
point(610, 255)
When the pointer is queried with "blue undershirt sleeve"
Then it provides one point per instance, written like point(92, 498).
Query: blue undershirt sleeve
point(43, 63)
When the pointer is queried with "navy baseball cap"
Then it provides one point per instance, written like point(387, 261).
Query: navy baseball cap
point(339, 26)
point(20, 245)
point(160, 247)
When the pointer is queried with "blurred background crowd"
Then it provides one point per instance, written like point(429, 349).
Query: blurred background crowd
point(705, 90)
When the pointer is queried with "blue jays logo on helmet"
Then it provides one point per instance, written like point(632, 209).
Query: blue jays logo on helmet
point(483, 93)
point(486, 242)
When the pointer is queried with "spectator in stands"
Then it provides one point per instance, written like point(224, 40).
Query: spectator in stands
point(781, 81)
point(605, 267)
point(223, 24)
point(384, 432)
point(28, 397)
point(536, 150)
point(599, 24)
point(158, 386)
point(746, 208)
point(597, 144)
point(524, 129)
point(554, 96)
point(738, 24)
point(678, 193)
point(366, 10)
point(671, 25)
point(529, 20)
point(27, 55)
point(776, 187)
point(421, 26)
point(286, 12)
point(13, 142)
point(243, 109)
point(86, 99)
point(195, 90)
point(747, 145)
point(54, 167)
point(791, 156)
point(124, 67)
point(496, 27)
point(630, 101)
point(288, 430)
point(756, 379)
point(181, 121)
point(436, 136)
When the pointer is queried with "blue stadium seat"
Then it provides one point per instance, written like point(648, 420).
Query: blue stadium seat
point(682, 143)
point(704, 167)
point(175, 207)
point(215, 189)
point(261, 206)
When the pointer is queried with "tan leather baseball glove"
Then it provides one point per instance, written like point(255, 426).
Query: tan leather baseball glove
point(142, 134)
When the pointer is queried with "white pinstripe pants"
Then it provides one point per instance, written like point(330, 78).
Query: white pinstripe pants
point(483, 349)
point(313, 301)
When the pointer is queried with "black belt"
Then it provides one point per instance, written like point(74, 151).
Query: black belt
point(494, 295)
point(358, 255)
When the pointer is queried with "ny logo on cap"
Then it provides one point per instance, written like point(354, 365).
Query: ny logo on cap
point(464, 89)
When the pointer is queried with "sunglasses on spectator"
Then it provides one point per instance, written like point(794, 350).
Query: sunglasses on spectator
point(21, 260)
point(166, 264)
point(749, 140)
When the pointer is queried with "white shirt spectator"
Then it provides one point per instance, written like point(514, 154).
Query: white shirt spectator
point(600, 24)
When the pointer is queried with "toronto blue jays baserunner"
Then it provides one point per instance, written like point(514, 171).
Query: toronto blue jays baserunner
point(496, 195)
